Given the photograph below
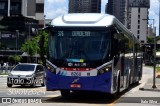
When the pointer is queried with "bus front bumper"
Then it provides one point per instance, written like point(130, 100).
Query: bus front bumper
point(100, 83)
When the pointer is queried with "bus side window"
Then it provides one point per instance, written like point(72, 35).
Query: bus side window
point(116, 44)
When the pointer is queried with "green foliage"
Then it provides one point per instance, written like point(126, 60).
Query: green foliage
point(150, 39)
point(43, 44)
point(158, 38)
point(30, 46)
point(15, 58)
point(35, 45)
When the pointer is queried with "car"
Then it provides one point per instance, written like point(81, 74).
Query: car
point(27, 74)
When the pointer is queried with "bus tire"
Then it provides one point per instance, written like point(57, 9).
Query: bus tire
point(117, 93)
point(118, 88)
point(65, 93)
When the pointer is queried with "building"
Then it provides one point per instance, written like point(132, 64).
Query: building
point(84, 6)
point(119, 9)
point(34, 9)
point(138, 18)
point(29, 15)
point(28, 8)
point(131, 14)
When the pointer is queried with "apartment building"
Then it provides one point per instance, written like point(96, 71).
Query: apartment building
point(84, 6)
point(28, 8)
point(119, 9)
point(138, 18)
point(131, 14)
point(19, 20)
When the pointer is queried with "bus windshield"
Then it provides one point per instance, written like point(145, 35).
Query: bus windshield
point(80, 45)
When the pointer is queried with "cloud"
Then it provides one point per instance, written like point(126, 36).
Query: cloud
point(154, 14)
point(55, 12)
point(54, 8)
point(56, 1)
point(103, 4)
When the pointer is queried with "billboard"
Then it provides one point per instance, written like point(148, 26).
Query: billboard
point(139, 3)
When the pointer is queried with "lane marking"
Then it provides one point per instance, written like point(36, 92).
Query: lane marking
point(114, 102)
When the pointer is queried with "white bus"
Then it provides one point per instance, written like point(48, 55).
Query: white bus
point(91, 52)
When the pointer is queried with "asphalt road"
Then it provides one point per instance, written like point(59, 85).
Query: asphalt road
point(131, 97)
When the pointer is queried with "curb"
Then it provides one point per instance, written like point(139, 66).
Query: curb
point(3, 75)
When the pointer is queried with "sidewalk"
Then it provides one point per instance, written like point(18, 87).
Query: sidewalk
point(3, 75)
point(149, 84)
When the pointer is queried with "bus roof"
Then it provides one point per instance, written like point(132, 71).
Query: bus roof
point(84, 19)
point(89, 20)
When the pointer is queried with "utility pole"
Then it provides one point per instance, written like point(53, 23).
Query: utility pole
point(9, 5)
point(17, 32)
point(154, 55)
point(154, 71)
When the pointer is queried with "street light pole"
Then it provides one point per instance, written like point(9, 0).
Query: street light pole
point(9, 6)
point(154, 55)
point(154, 71)
point(16, 39)
point(29, 37)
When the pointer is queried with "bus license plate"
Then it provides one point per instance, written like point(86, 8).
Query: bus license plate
point(75, 86)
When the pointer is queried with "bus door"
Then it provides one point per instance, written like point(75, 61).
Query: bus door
point(118, 54)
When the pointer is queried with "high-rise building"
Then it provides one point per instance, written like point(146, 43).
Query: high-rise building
point(130, 13)
point(19, 20)
point(119, 9)
point(28, 8)
point(139, 12)
point(84, 6)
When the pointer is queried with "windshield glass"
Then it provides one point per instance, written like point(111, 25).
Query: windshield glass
point(22, 67)
point(76, 46)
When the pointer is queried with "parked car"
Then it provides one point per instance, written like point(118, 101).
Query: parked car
point(26, 74)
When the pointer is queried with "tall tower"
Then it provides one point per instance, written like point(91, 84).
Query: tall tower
point(119, 9)
point(130, 13)
point(139, 12)
point(84, 6)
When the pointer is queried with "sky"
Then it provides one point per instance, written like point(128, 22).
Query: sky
point(54, 8)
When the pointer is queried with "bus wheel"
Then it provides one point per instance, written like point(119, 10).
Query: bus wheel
point(65, 93)
point(117, 93)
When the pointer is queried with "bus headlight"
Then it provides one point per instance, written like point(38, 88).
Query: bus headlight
point(51, 69)
point(104, 69)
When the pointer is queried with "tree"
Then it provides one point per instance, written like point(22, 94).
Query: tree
point(38, 45)
point(150, 39)
point(14, 59)
point(30, 46)
point(43, 45)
